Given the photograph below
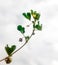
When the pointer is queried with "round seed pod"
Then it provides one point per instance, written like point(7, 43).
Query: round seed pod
point(20, 39)
point(28, 25)
point(8, 60)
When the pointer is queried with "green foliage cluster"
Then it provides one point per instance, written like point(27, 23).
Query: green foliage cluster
point(28, 16)
point(35, 15)
point(21, 29)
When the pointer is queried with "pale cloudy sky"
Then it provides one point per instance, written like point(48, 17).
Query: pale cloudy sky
point(43, 47)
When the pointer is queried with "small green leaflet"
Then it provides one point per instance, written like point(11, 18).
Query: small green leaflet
point(27, 38)
point(32, 12)
point(9, 50)
point(27, 15)
point(38, 26)
point(35, 15)
point(21, 29)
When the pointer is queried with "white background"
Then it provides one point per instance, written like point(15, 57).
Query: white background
point(43, 47)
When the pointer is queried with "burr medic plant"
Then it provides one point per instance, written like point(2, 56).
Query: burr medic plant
point(36, 26)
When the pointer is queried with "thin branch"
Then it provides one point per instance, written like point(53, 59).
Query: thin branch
point(2, 59)
point(21, 46)
point(24, 43)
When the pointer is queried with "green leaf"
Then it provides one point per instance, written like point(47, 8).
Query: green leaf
point(27, 15)
point(27, 38)
point(31, 11)
point(38, 26)
point(24, 14)
point(9, 50)
point(37, 16)
point(21, 29)
point(13, 47)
